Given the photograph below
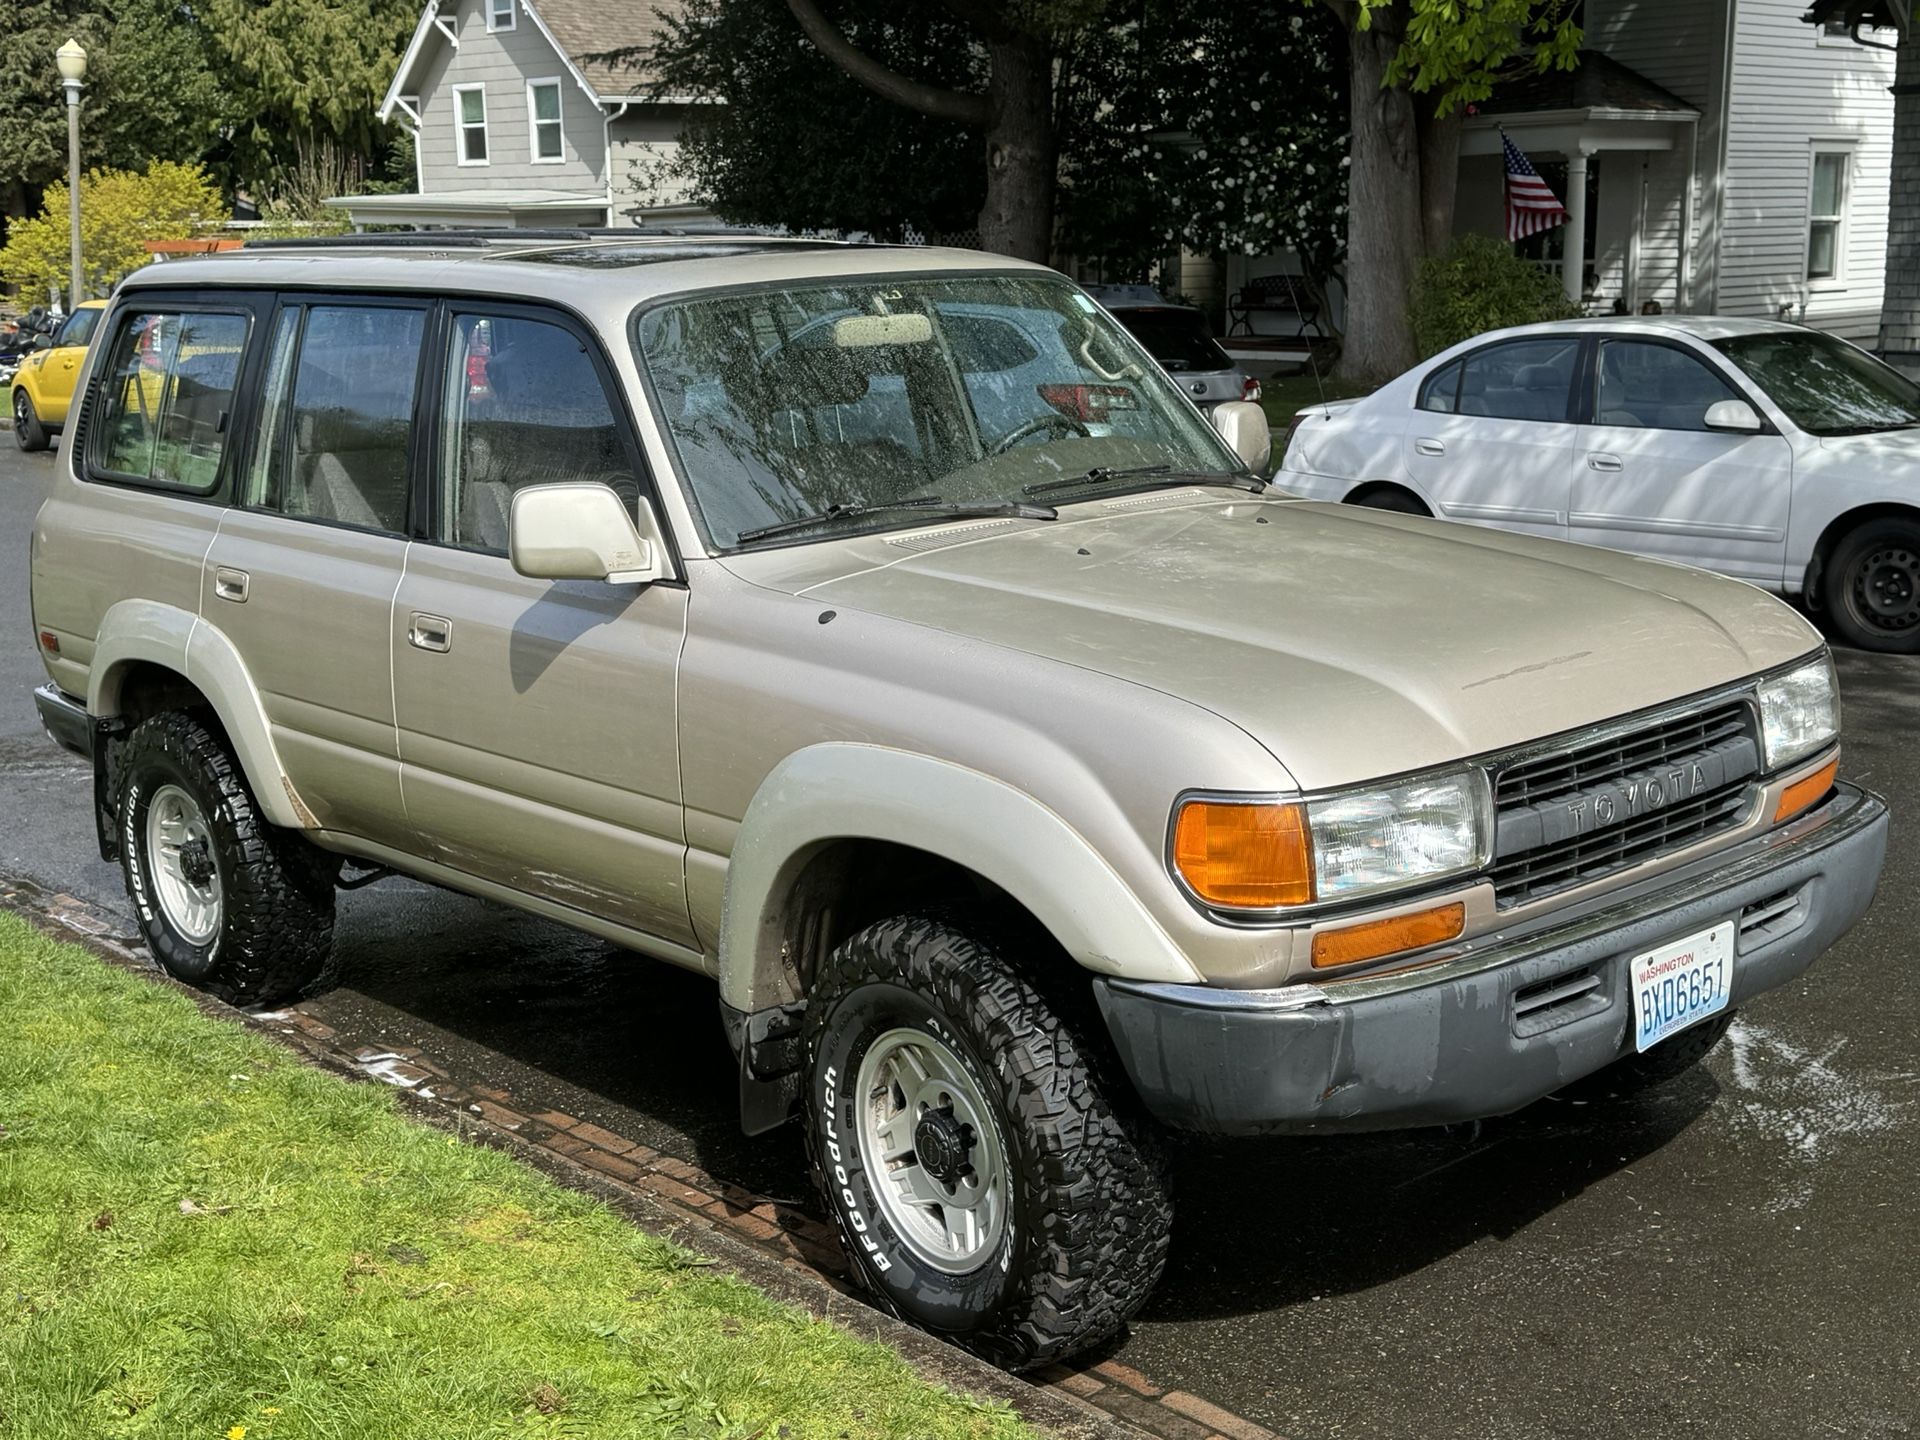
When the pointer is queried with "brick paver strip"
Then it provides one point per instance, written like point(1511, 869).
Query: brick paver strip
point(1212, 1416)
point(1128, 1376)
point(609, 1164)
point(1154, 1418)
point(677, 1191)
point(499, 1115)
point(605, 1139)
point(1074, 1382)
point(559, 1119)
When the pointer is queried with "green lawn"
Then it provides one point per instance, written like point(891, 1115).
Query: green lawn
point(1284, 395)
point(201, 1237)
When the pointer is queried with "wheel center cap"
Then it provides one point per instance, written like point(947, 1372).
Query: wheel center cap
point(196, 864)
point(942, 1145)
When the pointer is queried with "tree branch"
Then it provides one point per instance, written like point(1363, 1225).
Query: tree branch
point(932, 100)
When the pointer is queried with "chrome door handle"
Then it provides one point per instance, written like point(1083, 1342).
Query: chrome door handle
point(232, 584)
point(430, 632)
point(1429, 447)
point(1603, 462)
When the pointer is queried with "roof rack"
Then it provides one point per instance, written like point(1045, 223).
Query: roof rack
point(483, 239)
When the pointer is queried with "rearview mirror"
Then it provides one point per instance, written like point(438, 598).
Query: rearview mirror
point(1732, 415)
point(577, 531)
point(860, 332)
point(1243, 425)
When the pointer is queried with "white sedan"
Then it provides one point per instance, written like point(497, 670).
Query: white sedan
point(1771, 452)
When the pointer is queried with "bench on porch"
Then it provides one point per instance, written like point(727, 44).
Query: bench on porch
point(1274, 294)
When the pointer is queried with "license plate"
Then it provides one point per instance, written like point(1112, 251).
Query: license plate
point(1681, 984)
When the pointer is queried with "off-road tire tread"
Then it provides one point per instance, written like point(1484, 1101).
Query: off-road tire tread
point(1101, 1191)
point(277, 888)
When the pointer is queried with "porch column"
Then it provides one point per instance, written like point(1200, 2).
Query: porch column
point(1574, 266)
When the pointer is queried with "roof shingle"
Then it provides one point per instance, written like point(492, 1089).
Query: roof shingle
point(585, 28)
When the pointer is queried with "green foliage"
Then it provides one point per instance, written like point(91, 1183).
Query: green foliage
point(204, 1236)
point(1479, 284)
point(1216, 128)
point(798, 142)
point(1457, 50)
point(119, 211)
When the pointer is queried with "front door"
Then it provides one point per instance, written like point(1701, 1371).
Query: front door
point(1491, 441)
point(302, 575)
point(61, 369)
point(1650, 477)
point(536, 718)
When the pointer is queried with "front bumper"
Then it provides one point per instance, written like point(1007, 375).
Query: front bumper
point(66, 720)
point(1502, 1020)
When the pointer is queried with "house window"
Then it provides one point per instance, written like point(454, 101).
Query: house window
point(500, 14)
point(1826, 215)
point(470, 121)
point(543, 119)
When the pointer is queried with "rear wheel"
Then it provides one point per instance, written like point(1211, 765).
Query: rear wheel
point(1872, 586)
point(28, 432)
point(1390, 497)
point(983, 1183)
point(227, 902)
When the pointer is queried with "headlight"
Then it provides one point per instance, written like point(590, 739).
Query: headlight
point(1799, 712)
point(1265, 854)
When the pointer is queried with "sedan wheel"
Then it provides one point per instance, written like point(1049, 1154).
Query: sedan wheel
point(28, 432)
point(1873, 586)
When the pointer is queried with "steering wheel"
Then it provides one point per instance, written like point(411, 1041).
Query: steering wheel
point(1065, 424)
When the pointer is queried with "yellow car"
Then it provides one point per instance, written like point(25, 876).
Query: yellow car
point(43, 388)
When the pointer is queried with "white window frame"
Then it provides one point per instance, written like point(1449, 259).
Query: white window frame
point(1841, 220)
point(496, 21)
point(559, 121)
point(461, 126)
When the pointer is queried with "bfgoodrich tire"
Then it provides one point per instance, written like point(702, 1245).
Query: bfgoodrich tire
point(227, 902)
point(984, 1183)
point(1669, 1060)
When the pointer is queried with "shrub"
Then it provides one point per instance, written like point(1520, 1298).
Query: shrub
point(1479, 284)
point(119, 211)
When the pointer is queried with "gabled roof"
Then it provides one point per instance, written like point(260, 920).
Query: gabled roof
point(1600, 82)
point(579, 30)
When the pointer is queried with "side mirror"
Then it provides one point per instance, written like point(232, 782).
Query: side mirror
point(1736, 415)
point(1243, 425)
point(578, 531)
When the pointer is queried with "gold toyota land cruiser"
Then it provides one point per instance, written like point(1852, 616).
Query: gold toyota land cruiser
point(881, 633)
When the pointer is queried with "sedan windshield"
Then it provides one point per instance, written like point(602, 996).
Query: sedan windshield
point(1826, 386)
point(847, 401)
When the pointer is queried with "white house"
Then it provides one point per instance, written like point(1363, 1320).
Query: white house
point(516, 122)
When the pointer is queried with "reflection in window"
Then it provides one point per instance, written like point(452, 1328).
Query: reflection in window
point(1519, 380)
point(167, 395)
point(1655, 387)
point(1826, 386)
point(1825, 213)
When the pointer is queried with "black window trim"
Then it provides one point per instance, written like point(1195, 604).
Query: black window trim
point(245, 302)
point(1715, 363)
point(1460, 360)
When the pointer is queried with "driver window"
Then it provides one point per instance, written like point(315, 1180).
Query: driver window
point(1642, 386)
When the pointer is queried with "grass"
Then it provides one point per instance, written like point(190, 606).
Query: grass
point(1284, 395)
point(202, 1237)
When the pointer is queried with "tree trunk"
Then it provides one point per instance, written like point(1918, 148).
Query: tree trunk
point(1439, 174)
point(1386, 231)
point(1017, 216)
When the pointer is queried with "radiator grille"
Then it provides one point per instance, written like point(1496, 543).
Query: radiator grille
point(1551, 777)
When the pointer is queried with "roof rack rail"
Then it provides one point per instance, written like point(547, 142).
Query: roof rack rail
point(481, 239)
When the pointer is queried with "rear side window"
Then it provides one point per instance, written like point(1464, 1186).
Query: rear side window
point(524, 405)
point(1442, 390)
point(1519, 380)
point(338, 415)
point(166, 398)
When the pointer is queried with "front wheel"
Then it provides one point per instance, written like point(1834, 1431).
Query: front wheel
point(983, 1183)
point(1872, 586)
point(226, 901)
point(28, 432)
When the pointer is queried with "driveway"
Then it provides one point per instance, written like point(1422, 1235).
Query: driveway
point(1737, 1256)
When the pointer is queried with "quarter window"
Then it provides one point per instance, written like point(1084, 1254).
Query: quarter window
point(543, 116)
point(1519, 380)
point(333, 438)
point(1826, 215)
point(500, 14)
point(1655, 387)
point(524, 405)
point(166, 396)
point(1442, 390)
point(470, 121)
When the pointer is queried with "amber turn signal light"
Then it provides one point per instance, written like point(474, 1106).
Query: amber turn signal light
point(1805, 794)
point(1375, 938)
point(1249, 857)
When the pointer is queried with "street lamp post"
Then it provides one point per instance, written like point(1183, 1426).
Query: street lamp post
point(72, 60)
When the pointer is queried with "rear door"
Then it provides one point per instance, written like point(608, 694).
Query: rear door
point(1653, 479)
point(302, 575)
point(1492, 436)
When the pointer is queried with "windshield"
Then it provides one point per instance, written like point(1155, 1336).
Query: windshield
point(1826, 386)
point(793, 402)
point(1178, 339)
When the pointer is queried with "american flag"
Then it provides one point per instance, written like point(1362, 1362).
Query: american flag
point(1531, 206)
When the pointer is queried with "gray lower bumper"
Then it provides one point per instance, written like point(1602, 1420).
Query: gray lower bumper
point(1511, 1018)
point(66, 720)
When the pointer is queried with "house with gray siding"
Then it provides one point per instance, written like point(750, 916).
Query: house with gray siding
point(518, 121)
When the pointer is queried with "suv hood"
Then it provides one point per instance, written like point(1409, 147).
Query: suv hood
point(1351, 643)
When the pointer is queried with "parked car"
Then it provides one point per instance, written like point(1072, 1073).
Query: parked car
point(43, 384)
point(1177, 336)
point(1024, 782)
point(1779, 454)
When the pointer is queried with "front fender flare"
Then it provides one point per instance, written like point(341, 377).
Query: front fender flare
point(146, 631)
point(838, 791)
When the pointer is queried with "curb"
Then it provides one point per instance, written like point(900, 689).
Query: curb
point(791, 1255)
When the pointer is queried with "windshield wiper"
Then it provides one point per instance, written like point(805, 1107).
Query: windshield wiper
point(1107, 475)
point(943, 509)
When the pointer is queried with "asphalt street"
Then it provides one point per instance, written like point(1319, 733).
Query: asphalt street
point(1736, 1256)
